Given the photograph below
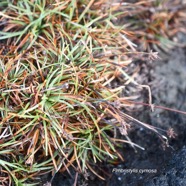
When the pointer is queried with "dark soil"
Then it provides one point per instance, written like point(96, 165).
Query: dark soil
point(167, 81)
point(174, 173)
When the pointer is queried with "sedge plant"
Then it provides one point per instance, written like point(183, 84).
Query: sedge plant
point(58, 107)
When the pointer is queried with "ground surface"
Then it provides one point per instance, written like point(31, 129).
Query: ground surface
point(174, 173)
point(166, 77)
point(168, 85)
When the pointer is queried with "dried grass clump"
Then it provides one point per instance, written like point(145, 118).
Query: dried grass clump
point(155, 23)
point(58, 107)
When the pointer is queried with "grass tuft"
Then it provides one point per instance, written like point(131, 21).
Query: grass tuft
point(58, 105)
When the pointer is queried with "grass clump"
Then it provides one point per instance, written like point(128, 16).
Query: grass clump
point(57, 62)
point(58, 107)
